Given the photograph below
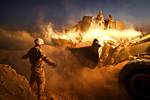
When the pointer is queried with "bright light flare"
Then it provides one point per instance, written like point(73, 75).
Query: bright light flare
point(94, 32)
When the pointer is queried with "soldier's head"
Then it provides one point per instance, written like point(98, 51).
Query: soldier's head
point(110, 16)
point(38, 41)
point(95, 43)
point(100, 12)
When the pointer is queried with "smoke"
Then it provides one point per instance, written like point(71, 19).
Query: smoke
point(22, 39)
point(15, 40)
point(72, 81)
point(85, 84)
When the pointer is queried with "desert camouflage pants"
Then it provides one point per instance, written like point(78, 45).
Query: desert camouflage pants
point(38, 76)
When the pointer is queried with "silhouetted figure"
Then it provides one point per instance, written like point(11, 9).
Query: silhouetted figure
point(100, 19)
point(110, 21)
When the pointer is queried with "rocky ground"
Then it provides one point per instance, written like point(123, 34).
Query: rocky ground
point(13, 86)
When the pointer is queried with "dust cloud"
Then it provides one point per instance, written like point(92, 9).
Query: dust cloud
point(15, 40)
point(69, 80)
point(72, 81)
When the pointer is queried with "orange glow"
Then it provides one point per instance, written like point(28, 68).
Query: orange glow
point(93, 32)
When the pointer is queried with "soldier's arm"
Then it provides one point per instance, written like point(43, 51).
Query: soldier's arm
point(25, 56)
point(49, 61)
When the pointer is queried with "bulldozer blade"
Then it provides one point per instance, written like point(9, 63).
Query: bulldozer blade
point(87, 56)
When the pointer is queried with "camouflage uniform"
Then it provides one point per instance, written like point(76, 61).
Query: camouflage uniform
point(37, 58)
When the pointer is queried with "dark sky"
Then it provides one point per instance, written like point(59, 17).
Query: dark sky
point(27, 13)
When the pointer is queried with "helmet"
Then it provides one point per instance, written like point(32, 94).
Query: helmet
point(38, 41)
point(96, 43)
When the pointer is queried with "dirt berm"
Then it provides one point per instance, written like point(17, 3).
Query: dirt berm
point(13, 86)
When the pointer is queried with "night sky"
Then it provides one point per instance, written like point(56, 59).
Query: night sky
point(27, 13)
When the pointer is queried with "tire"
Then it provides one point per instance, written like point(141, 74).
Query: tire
point(134, 78)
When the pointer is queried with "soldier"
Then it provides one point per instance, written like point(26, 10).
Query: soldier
point(95, 43)
point(110, 21)
point(36, 58)
point(100, 19)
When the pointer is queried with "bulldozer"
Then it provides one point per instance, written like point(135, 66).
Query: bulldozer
point(84, 24)
point(126, 50)
point(134, 78)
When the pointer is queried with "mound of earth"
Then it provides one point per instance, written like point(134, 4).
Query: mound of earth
point(13, 86)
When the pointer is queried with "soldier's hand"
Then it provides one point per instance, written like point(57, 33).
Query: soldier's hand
point(54, 65)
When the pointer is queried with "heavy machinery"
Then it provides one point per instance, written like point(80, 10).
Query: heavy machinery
point(127, 50)
point(134, 78)
point(84, 24)
point(87, 56)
